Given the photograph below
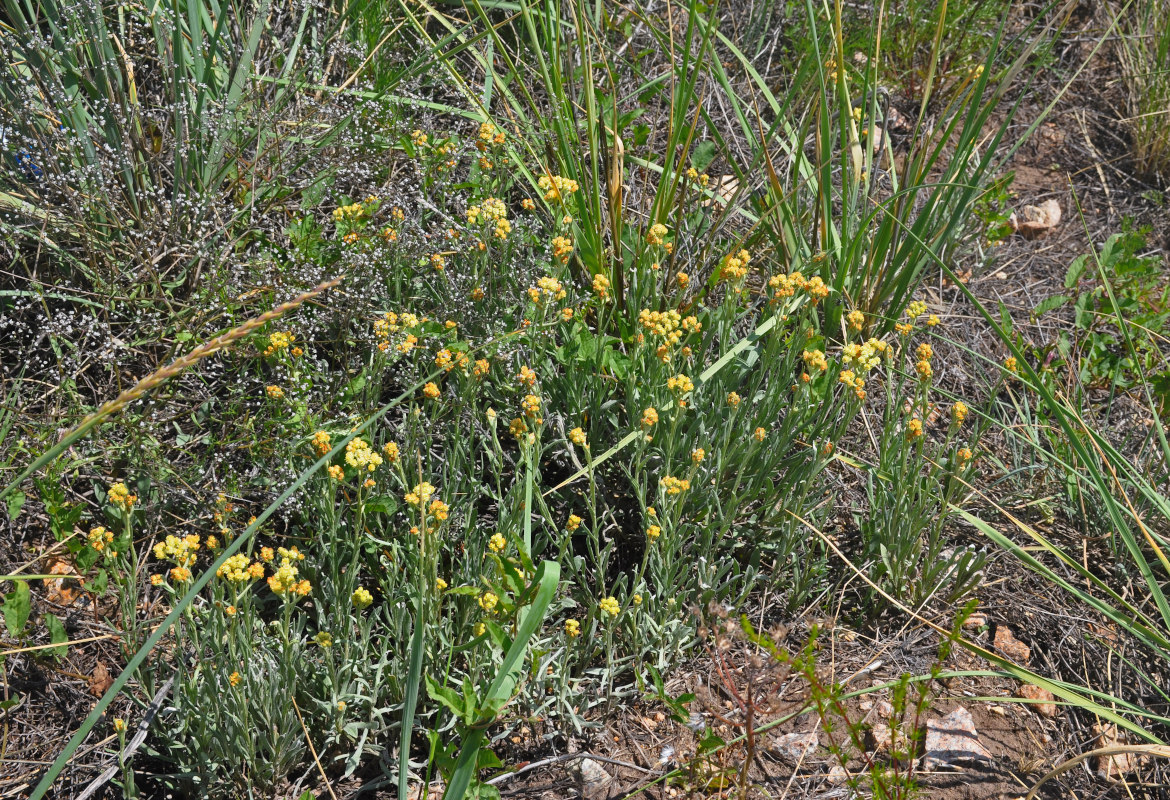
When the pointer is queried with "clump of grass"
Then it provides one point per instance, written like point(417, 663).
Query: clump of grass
point(1145, 61)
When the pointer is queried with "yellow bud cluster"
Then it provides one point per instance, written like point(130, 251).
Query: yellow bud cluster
point(675, 485)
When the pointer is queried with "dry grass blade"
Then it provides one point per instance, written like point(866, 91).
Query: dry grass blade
point(1147, 749)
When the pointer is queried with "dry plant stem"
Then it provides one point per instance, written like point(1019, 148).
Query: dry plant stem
point(1148, 749)
point(159, 377)
point(313, 750)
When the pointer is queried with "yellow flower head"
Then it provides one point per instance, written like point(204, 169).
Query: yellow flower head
point(390, 449)
point(577, 437)
point(361, 598)
point(321, 443)
point(526, 376)
point(925, 352)
point(656, 234)
point(572, 628)
point(431, 390)
point(680, 384)
point(440, 585)
point(1011, 364)
point(274, 392)
point(531, 406)
point(959, 412)
point(336, 472)
point(573, 523)
point(610, 606)
point(924, 370)
point(234, 679)
point(683, 280)
point(698, 454)
point(916, 309)
point(488, 601)
point(649, 417)
point(914, 429)
point(439, 510)
point(675, 485)
point(497, 543)
point(323, 639)
point(360, 456)
point(856, 320)
point(421, 494)
point(964, 456)
point(120, 496)
point(733, 399)
point(653, 532)
point(759, 434)
point(601, 286)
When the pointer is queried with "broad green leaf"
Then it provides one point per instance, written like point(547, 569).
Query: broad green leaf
point(17, 606)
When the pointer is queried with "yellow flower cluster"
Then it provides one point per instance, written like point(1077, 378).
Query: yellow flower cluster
point(488, 601)
point(850, 379)
point(420, 495)
point(666, 324)
point(959, 412)
point(531, 407)
point(924, 352)
point(489, 134)
point(610, 606)
point(120, 496)
point(913, 429)
point(497, 543)
point(735, 266)
point(815, 360)
point(336, 472)
point(653, 532)
point(274, 392)
point(562, 247)
point(577, 437)
point(440, 585)
point(99, 537)
point(964, 456)
point(573, 523)
point(438, 263)
point(555, 187)
point(390, 449)
point(321, 443)
point(284, 580)
point(359, 455)
point(526, 376)
point(680, 384)
point(351, 212)
point(683, 279)
point(572, 628)
point(1011, 364)
point(783, 285)
point(649, 417)
point(864, 356)
point(916, 309)
point(697, 455)
point(733, 399)
point(601, 287)
point(278, 341)
point(759, 434)
point(181, 552)
point(856, 320)
point(546, 288)
point(239, 568)
point(481, 368)
point(361, 598)
point(431, 390)
point(675, 485)
point(656, 234)
point(517, 427)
